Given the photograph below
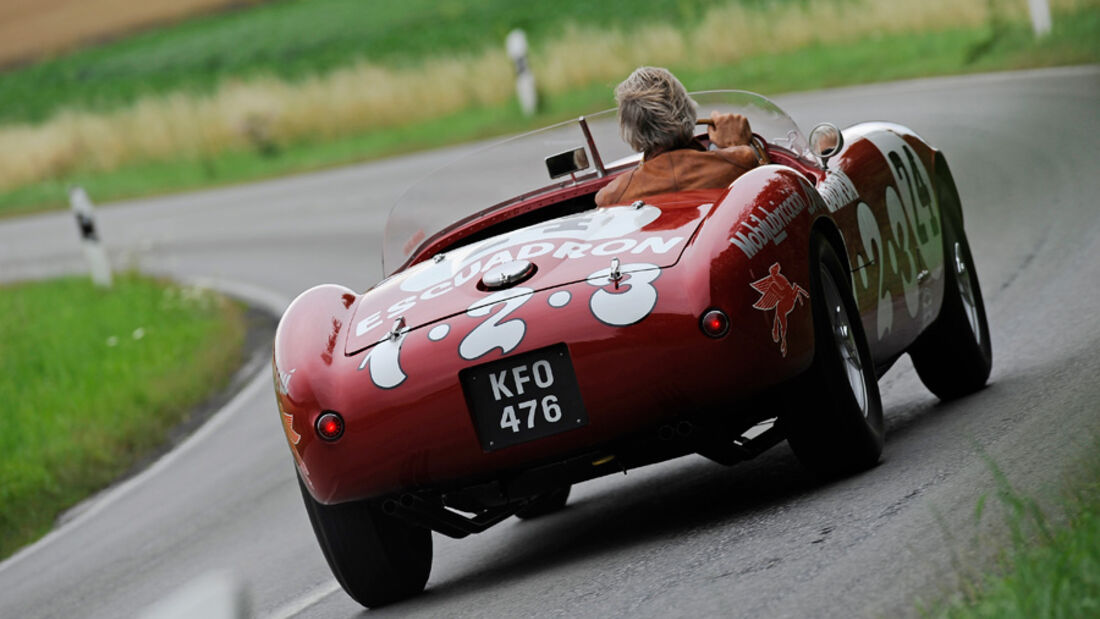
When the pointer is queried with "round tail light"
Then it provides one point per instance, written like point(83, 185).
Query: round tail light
point(715, 323)
point(330, 426)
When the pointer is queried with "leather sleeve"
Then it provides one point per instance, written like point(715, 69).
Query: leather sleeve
point(612, 192)
point(741, 156)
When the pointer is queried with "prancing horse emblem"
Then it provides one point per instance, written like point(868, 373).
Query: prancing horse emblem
point(778, 293)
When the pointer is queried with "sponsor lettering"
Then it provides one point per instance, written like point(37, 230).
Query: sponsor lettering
point(534, 250)
point(837, 190)
point(587, 229)
point(572, 249)
point(763, 225)
point(565, 250)
point(610, 248)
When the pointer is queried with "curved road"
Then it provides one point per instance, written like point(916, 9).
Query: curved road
point(687, 537)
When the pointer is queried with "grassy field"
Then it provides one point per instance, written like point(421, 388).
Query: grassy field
point(298, 40)
point(93, 380)
point(984, 47)
point(31, 30)
point(1049, 569)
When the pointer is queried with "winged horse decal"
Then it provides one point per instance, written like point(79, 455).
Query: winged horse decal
point(778, 293)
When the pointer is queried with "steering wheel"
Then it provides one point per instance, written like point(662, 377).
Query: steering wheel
point(760, 147)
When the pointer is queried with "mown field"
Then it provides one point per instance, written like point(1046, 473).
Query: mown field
point(297, 40)
point(94, 380)
point(291, 86)
point(30, 31)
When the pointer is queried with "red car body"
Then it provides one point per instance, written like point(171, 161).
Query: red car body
point(624, 291)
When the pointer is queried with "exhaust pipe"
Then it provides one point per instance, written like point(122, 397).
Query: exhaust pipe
point(442, 520)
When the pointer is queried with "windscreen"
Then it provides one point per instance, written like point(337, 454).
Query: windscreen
point(503, 173)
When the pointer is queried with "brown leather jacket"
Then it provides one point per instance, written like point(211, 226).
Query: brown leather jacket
point(679, 170)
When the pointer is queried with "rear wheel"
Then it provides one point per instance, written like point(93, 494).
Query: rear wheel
point(834, 419)
point(377, 558)
point(954, 356)
point(545, 503)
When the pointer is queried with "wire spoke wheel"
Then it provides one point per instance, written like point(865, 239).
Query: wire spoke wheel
point(844, 336)
point(833, 416)
point(964, 279)
point(954, 356)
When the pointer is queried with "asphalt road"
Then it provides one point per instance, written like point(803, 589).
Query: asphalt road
point(687, 537)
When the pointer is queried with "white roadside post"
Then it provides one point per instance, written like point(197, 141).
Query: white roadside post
point(525, 80)
point(1040, 16)
point(89, 238)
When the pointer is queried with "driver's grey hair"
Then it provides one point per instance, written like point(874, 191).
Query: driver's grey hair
point(655, 111)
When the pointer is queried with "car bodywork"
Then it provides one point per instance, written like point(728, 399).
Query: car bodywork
point(622, 291)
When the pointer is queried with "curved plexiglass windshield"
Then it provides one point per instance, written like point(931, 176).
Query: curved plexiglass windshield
point(495, 176)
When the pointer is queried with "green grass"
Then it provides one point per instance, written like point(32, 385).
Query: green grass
point(93, 380)
point(299, 39)
point(1048, 570)
point(1075, 39)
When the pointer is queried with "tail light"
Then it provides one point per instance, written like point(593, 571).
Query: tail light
point(330, 426)
point(715, 323)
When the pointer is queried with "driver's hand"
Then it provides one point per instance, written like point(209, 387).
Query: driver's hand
point(729, 130)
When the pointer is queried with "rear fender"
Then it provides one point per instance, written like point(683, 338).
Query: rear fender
point(753, 250)
point(306, 344)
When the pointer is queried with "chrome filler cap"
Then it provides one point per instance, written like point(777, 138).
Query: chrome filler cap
point(508, 274)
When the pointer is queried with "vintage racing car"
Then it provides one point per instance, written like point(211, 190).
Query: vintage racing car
point(525, 340)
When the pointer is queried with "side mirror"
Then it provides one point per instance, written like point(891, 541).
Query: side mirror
point(569, 162)
point(826, 141)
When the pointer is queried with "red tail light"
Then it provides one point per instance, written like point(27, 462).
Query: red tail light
point(330, 426)
point(715, 323)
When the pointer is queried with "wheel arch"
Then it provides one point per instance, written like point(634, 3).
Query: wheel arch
point(826, 227)
point(942, 174)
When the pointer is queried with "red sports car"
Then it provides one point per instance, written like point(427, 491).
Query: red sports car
point(525, 340)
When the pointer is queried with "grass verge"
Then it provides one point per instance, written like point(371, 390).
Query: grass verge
point(1047, 570)
point(1000, 46)
point(95, 379)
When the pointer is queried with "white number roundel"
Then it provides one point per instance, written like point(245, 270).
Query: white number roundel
point(634, 299)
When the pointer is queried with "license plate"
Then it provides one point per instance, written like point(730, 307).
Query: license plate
point(523, 398)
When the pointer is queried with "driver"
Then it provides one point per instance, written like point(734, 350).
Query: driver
point(657, 118)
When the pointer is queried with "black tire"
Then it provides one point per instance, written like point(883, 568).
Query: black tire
point(834, 417)
point(545, 504)
point(955, 355)
point(377, 558)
